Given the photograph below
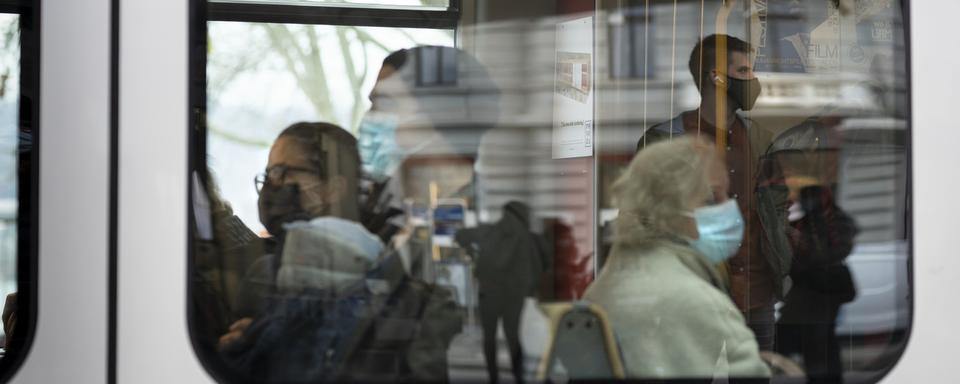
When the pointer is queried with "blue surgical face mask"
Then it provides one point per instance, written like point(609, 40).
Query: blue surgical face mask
point(721, 230)
point(380, 151)
point(377, 142)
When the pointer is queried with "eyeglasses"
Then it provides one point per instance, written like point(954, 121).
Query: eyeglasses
point(277, 174)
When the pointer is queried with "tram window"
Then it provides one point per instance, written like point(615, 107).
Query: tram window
point(374, 190)
point(18, 151)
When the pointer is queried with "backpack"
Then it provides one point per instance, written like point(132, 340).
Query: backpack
point(387, 327)
point(407, 335)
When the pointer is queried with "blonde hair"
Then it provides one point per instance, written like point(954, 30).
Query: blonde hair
point(657, 188)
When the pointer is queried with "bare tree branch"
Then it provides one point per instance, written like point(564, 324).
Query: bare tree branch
point(407, 34)
point(316, 76)
point(234, 137)
point(366, 60)
point(232, 66)
point(279, 37)
point(366, 38)
point(312, 78)
point(355, 81)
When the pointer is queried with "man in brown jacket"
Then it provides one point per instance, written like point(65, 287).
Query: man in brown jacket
point(758, 273)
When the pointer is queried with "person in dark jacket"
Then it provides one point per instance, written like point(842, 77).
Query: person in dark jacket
point(822, 284)
point(822, 237)
point(508, 269)
point(758, 273)
point(308, 204)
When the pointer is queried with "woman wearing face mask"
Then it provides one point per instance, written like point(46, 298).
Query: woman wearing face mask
point(414, 115)
point(320, 300)
point(312, 173)
point(660, 288)
point(430, 107)
point(307, 194)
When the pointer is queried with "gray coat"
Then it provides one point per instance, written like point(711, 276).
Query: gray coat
point(671, 317)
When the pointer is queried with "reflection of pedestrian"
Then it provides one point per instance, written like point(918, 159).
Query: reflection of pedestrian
point(822, 238)
point(416, 145)
point(406, 123)
point(508, 270)
point(822, 283)
point(757, 270)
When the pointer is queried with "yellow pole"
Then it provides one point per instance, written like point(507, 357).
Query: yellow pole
point(721, 68)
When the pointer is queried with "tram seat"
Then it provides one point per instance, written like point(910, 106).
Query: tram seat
point(582, 341)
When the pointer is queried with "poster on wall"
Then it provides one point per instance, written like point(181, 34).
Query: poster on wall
point(821, 37)
point(573, 90)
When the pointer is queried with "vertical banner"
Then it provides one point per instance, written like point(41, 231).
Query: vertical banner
point(573, 98)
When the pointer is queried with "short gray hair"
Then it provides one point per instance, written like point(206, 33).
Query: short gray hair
point(657, 187)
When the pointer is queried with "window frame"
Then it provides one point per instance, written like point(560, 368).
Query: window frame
point(28, 119)
point(353, 15)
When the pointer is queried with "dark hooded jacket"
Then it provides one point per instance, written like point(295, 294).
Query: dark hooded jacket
point(509, 256)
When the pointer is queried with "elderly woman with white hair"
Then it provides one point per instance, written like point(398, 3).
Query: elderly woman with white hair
point(660, 286)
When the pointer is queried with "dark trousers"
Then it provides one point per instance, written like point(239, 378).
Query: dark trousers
point(817, 343)
point(494, 306)
point(762, 322)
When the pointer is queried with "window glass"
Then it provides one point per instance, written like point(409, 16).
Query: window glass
point(633, 189)
point(19, 51)
point(9, 95)
point(439, 4)
point(832, 100)
point(264, 77)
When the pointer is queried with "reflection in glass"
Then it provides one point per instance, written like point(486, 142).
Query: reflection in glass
point(264, 77)
point(724, 184)
point(9, 143)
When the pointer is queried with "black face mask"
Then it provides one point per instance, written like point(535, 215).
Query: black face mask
point(743, 93)
point(280, 204)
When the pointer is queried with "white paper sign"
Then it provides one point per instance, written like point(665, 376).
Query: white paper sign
point(573, 100)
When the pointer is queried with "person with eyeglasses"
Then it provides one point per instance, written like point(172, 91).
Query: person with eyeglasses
point(315, 249)
point(313, 170)
point(319, 300)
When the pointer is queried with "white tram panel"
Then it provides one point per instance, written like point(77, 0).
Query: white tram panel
point(70, 343)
